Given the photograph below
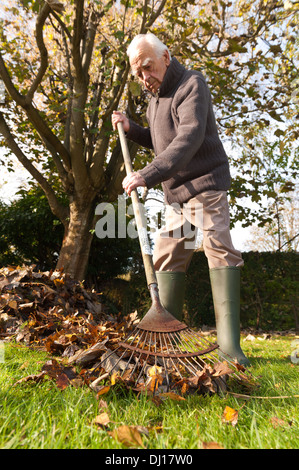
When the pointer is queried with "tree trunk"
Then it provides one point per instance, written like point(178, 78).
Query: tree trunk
point(74, 253)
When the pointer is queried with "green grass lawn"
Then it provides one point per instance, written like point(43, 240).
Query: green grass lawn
point(41, 416)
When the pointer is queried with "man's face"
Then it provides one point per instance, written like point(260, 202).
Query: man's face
point(148, 67)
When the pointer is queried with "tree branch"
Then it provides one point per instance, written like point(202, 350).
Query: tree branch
point(155, 15)
point(89, 44)
point(77, 37)
point(144, 15)
point(43, 15)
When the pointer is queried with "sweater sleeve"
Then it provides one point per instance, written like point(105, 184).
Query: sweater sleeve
point(191, 106)
point(140, 135)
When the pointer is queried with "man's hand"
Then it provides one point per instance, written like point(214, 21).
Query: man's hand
point(117, 117)
point(132, 181)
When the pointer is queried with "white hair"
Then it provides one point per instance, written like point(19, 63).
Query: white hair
point(151, 40)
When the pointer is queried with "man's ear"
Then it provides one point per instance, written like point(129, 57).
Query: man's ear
point(167, 57)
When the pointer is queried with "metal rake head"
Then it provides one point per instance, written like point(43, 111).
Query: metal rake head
point(162, 353)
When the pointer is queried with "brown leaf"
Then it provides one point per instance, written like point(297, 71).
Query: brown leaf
point(84, 357)
point(172, 396)
point(277, 422)
point(102, 419)
point(63, 376)
point(13, 304)
point(211, 445)
point(156, 400)
point(103, 405)
point(52, 368)
point(222, 368)
point(128, 436)
point(62, 381)
point(34, 377)
point(155, 378)
point(185, 387)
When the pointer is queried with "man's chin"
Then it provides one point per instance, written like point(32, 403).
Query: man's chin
point(152, 88)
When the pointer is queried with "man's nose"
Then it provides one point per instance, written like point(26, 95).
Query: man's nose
point(145, 75)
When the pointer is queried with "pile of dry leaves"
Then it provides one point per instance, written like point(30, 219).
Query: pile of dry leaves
point(49, 311)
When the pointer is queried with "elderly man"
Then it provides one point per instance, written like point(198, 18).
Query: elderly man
point(193, 168)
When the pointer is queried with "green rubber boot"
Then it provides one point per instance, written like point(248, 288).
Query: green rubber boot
point(225, 283)
point(171, 285)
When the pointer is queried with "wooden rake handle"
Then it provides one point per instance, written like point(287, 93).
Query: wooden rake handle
point(139, 214)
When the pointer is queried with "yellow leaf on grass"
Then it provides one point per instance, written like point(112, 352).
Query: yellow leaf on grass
point(102, 419)
point(230, 416)
point(128, 435)
point(113, 378)
point(172, 396)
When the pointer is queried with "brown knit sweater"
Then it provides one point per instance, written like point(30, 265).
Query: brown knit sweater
point(190, 157)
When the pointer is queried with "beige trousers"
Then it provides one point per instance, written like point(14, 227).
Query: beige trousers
point(175, 242)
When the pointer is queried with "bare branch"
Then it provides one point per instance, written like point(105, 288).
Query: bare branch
point(89, 43)
point(118, 91)
point(155, 15)
point(43, 15)
point(77, 37)
point(144, 15)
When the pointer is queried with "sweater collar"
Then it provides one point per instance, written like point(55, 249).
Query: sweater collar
point(172, 76)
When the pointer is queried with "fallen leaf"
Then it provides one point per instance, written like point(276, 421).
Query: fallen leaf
point(24, 365)
point(104, 389)
point(156, 400)
point(154, 370)
point(277, 422)
point(172, 396)
point(230, 416)
point(52, 368)
point(185, 387)
point(34, 377)
point(154, 378)
point(128, 435)
point(102, 419)
point(62, 381)
point(13, 304)
point(103, 405)
point(83, 357)
point(211, 445)
point(113, 378)
point(222, 368)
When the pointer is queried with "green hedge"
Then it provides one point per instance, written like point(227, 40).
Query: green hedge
point(269, 292)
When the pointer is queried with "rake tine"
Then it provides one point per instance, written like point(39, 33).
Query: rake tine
point(145, 361)
point(171, 359)
point(164, 364)
point(176, 340)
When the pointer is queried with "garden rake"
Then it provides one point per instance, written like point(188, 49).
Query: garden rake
point(162, 350)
